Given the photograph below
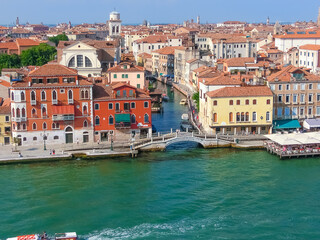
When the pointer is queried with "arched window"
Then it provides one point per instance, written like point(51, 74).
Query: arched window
point(24, 126)
point(70, 95)
point(33, 95)
point(86, 94)
point(97, 120)
point(247, 117)
point(23, 112)
point(33, 112)
point(13, 112)
point(43, 95)
point(254, 116)
point(18, 126)
point(146, 118)
point(110, 120)
point(44, 126)
point(22, 96)
point(267, 116)
point(215, 117)
point(72, 62)
point(231, 117)
point(133, 118)
point(54, 95)
point(79, 61)
point(14, 126)
point(53, 125)
point(34, 126)
point(18, 112)
point(82, 94)
point(88, 62)
point(12, 96)
point(69, 129)
point(85, 123)
point(242, 117)
point(85, 110)
point(238, 117)
point(44, 111)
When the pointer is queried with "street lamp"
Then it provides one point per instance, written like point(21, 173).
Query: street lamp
point(45, 136)
point(111, 146)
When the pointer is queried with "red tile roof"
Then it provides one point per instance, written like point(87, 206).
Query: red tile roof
point(310, 47)
point(53, 70)
point(221, 79)
point(130, 68)
point(167, 50)
point(252, 91)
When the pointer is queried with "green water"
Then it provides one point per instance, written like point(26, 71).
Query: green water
point(179, 194)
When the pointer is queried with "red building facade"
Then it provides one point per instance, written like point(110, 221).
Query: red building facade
point(121, 112)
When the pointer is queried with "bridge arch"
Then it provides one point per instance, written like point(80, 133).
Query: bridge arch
point(184, 139)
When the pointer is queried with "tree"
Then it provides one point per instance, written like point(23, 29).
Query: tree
point(58, 38)
point(9, 61)
point(38, 55)
point(196, 97)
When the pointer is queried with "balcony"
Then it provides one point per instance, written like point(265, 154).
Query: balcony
point(70, 101)
point(19, 119)
point(54, 101)
point(122, 125)
point(33, 102)
point(62, 117)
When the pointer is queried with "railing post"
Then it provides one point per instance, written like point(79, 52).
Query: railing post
point(162, 138)
point(151, 138)
point(205, 136)
point(192, 134)
point(158, 134)
point(171, 130)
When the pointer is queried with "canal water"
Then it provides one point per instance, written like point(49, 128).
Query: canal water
point(183, 193)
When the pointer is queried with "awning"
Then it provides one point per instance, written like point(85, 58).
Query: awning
point(125, 118)
point(63, 110)
point(286, 124)
point(311, 123)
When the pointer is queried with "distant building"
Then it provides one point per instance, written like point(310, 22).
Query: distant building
point(309, 57)
point(318, 20)
point(5, 122)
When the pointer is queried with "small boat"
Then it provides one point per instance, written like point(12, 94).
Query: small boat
point(183, 101)
point(44, 236)
point(185, 116)
point(185, 125)
point(172, 89)
point(165, 97)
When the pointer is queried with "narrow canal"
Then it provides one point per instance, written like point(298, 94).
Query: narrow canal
point(183, 193)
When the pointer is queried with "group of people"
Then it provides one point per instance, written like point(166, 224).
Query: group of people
point(52, 152)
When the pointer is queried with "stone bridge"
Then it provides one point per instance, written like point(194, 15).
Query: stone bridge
point(161, 142)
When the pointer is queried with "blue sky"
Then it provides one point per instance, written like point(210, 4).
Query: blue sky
point(157, 11)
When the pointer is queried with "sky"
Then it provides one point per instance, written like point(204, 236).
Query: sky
point(157, 11)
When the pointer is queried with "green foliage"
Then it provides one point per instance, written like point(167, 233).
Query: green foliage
point(9, 61)
point(58, 38)
point(196, 97)
point(38, 55)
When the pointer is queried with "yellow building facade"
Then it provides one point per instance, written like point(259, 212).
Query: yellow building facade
point(5, 125)
point(238, 110)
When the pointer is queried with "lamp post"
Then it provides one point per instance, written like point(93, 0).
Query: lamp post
point(44, 140)
point(111, 146)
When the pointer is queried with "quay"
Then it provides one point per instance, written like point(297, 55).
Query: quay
point(294, 144)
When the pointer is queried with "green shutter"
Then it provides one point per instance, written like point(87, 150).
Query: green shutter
point(138, 75)
point(114, 75)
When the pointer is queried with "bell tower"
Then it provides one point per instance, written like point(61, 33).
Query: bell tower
point(114, 25)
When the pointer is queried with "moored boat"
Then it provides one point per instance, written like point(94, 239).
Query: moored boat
point(165, 97)
point(183, 101)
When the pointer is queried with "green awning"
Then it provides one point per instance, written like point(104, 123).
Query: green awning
point(286, 124)
point(125, 118)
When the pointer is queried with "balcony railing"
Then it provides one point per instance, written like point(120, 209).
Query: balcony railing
point(54, 101)
point(33, 102)
point(122, 125)
point(19, 119)
point(70, 101)
point(63, 117)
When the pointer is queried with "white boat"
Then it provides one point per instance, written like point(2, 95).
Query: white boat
point(185, 116)
point(183, 101)
point(58, 236)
